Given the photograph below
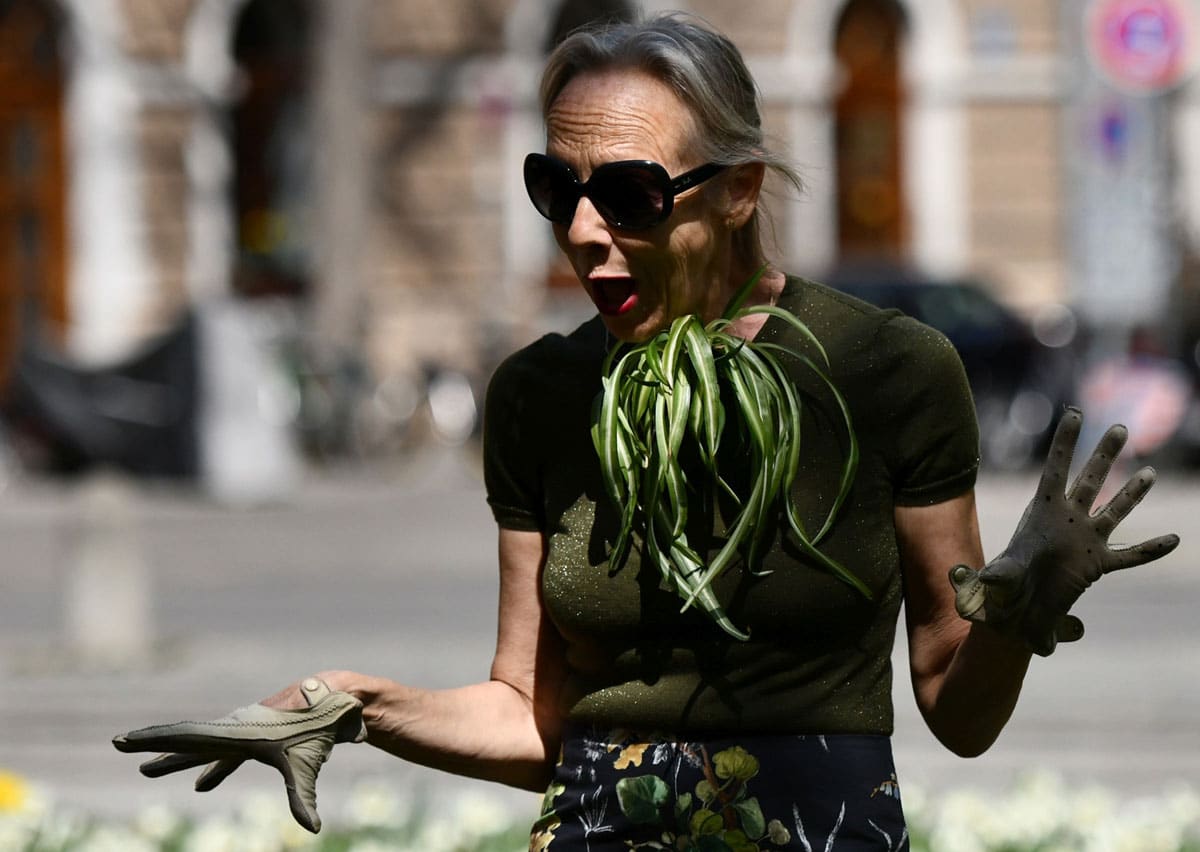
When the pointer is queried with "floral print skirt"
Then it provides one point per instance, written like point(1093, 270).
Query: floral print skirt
point(616, 790)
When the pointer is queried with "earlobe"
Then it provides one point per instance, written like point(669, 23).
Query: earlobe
point(742, 188)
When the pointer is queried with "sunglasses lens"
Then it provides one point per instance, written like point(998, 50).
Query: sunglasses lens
point(629, 196)
point(551, 188)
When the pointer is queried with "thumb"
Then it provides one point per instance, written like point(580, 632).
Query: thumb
point(1005, 578)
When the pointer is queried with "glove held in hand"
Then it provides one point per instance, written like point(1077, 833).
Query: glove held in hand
point(295, 742)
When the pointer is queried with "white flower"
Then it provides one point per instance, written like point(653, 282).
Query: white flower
point(478, 816)
point(375, 804)
point(215, 835)
point(110, 838)
point(1091, 808)
point(437, 835)
point(157, 822)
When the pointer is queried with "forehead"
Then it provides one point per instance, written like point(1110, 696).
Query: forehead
point(601, 116)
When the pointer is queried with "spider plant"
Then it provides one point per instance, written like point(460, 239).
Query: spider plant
point(658, 394)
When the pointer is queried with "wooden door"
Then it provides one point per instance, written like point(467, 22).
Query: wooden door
point(32, 214)
point(871, 206)
point(272, 142)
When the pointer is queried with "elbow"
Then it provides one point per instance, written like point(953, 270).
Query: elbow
point(965, 747)
point(965, 740)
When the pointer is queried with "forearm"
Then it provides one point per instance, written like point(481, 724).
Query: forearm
point(487, 730)
point(970, 701)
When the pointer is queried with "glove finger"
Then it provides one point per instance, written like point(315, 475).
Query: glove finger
point(1140, 554)
point(165, 764)
point(1062, 448)
point(299, 766)
point(1041, 643)
point(181, 737)
point(1068, 629)
point(1124, 501)
point(1095, 470)
point(1004, 578)
point(216, 772)
point(303, 804)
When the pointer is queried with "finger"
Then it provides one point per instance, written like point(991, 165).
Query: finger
point(300, 780)
point(1091, 479)
point(165, 764)
point(217, 772)
point(146, 739)
point(182, 737)
point(1068, 629)
point(1004, 578)
point(302, 800)
point(1062, 448)
point(1140, 554)
point(1042, 644)
point(1124, 501)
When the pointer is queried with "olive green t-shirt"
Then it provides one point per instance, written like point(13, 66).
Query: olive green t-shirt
point(819, 655)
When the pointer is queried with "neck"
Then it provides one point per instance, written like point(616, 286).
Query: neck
point(765, 292)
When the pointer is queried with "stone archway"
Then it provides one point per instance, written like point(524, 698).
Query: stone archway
point(270, 126)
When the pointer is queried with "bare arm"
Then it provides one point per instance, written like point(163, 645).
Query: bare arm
point(966, 678)
point(505, 729)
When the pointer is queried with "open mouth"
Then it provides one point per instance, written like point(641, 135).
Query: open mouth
point(614, 296)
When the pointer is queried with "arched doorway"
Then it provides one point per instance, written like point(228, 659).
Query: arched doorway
point(871, 208)
point(272, 148)
point(32, 188)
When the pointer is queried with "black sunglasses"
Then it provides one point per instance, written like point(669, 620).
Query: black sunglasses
point(632, 195)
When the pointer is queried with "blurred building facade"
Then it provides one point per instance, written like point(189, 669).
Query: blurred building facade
point(361, 159)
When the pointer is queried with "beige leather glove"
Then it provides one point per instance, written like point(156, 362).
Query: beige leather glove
point(1060, 548)
point(295, 742)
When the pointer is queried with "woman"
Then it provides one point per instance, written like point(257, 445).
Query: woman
point(654, 726)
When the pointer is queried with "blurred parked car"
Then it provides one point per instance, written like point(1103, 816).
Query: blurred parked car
point(1020, 376)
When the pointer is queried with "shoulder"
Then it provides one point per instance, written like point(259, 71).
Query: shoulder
point(554, 359)
point(862, 335)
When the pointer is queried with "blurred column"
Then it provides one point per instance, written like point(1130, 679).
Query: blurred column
point(107, 600)
point(110, 288)
point(342, 135)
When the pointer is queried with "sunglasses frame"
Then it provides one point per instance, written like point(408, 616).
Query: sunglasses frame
point(669, 187)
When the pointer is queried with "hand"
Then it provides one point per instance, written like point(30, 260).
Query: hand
point(1060, 548)
point(294, 741)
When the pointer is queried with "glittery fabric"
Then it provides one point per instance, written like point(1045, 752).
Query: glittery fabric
point(818, 660)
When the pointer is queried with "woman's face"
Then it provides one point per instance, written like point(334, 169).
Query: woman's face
point(640, 280)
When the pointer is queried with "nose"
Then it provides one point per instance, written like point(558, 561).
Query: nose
point(587, 226)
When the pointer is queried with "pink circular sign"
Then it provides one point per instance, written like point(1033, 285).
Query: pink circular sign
point(1145, 46)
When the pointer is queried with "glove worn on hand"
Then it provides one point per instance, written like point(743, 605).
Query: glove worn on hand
point(1060, 548)
point(295, 742)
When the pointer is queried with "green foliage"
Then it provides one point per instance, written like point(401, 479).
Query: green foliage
point(667, 391)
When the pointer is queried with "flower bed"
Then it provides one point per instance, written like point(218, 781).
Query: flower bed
point(1039, 814)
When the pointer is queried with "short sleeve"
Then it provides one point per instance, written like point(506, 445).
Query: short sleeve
point(510, 465)
point(933, 431)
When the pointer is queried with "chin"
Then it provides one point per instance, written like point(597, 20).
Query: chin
point(627, 329)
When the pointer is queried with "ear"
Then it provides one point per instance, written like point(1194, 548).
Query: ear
point(742, 186)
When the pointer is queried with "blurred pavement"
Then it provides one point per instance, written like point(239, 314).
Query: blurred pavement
point(197, 608)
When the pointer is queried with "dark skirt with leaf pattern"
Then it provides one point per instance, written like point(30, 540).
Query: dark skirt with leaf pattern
point(615, 790)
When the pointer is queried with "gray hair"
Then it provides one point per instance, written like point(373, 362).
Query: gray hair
point(704, 69)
